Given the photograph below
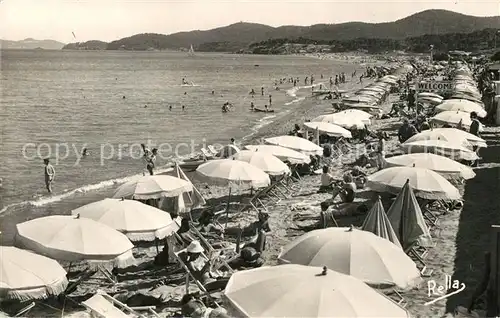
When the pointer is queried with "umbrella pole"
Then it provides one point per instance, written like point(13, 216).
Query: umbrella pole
point(227, 207)
point(69, 267)
point(156, 245)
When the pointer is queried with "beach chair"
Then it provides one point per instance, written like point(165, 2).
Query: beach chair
point(23, 311)
point(212, 150)
point(102, 305)
point(204, 288)
point(397, 297)
point(83, 276)
point(207, 154)
point(419, 256)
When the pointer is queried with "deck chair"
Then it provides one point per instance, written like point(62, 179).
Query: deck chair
point(418, 257)
point(223, 252)
point(102, 305)
point(212, 150)
point(85, 275)
point(23, 311)
point(180, 255)
point(207, 154)
point(397, 297)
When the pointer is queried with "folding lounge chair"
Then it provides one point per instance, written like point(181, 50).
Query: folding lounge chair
point(397, 297)
point(180, 255)
point(212, 150)
point(102, 305)
point(207, 154)
point(22, 312)
point(414, 254)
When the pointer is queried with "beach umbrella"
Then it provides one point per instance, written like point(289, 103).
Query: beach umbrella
point(369, 93)
point(355, 113)
point(138, 221)
point(461, 105)
point(426, 183)
point(453, 118)
point(25, 275)
point(153, 187)
point(442, 165)
point(296, 143)
point(305, 291)
point(407, 219)
point(448, 149)
point(330, 129)
point(264, 161)
point(429, 95)
point(347, 251)
point(378, 89)
point(72, 238)
point(231, 171)
point(430, 100)
point(359, 99)
point(193, 199)
point(342, 120)
point(451, 135)
point(376, 222)
point(282, 153)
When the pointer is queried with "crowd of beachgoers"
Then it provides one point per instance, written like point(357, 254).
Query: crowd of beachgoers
point(335, 207)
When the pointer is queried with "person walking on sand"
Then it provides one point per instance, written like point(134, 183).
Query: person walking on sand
point(50, 172)
point(270, 100)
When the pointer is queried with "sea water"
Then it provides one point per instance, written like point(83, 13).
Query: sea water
point(54, 103)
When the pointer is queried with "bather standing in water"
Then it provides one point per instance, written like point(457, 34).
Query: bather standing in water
point(49, 172)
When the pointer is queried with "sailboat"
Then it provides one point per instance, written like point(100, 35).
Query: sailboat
point(191, 51)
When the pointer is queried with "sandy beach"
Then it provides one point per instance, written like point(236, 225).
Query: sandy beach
point(460, 239)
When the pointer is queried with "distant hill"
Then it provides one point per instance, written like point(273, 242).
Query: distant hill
point(238, 36)
point(31, 44)
point(89, 45)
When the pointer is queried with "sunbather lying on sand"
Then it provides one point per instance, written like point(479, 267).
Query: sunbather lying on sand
point(195, 308)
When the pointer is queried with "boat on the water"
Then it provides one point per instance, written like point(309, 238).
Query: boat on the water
point(258, 110)
point(191, 165)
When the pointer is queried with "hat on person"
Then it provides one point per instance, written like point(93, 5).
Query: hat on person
point(195, 247)
point(249, 254)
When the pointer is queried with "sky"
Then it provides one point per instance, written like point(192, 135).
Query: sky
point(109, 20)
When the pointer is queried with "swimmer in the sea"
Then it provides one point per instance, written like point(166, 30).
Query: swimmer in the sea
point(123, 97)
point(213, 92)
point(252, 106)
point(170, 107)
point(145, 106)
point(185, 93)
point(262, 91)
point(49, 172)
point(85, 152)
point(183, 107)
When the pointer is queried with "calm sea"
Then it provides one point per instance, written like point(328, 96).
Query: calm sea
point(54, 103)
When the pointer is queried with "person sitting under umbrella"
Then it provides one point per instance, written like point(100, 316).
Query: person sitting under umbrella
point(197, 263)
point(346, 189)
point(406, 131)
point(327, 180)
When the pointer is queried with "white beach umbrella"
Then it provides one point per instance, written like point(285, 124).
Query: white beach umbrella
point(330, 129)
point(282, 153)
point(153, 187)
point(138, 221)
point(359, 99)
point(70, 238)
point(231, 171)
point(25, 275)
point(374, 89)
point(452, 135)
point(426, 183)
point(429, 95)
point(442, 165)
point(451, 150)
point(305, 291)
point(453, 118)
point(264, 161)
point(347, 251)
point(296, 143)
point(461, 105)
point(355, 113)
point(430, 100)
point(345, 121)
